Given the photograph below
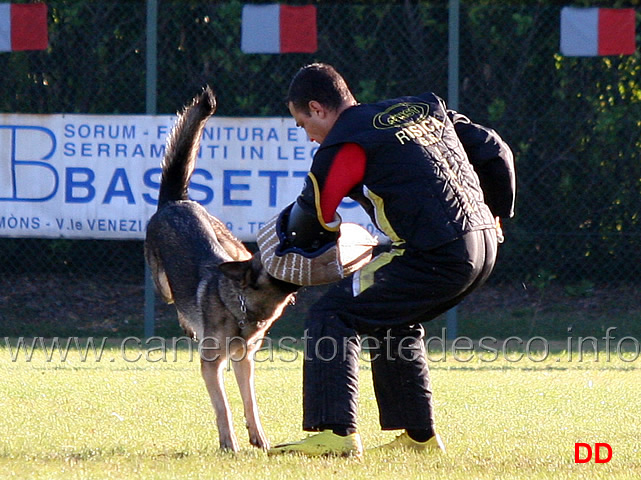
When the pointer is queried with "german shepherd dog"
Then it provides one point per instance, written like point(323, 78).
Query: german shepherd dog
point(223, 297)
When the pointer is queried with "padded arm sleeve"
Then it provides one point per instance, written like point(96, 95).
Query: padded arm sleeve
point(493, 162)
point(306, 233)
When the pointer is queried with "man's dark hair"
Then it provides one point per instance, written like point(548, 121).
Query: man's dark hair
point(320, 82)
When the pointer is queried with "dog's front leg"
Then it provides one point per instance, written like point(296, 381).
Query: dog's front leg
point(212, 372)
point(244, 370)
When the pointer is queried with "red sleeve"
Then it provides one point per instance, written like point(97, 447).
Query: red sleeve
point(346, 171)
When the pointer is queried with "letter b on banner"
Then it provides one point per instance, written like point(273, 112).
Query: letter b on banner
point(583, 453)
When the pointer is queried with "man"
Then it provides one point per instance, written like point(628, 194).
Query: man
point(404, 160)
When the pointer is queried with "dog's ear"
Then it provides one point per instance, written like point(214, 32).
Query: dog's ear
point(240, 271)
point(237, 271)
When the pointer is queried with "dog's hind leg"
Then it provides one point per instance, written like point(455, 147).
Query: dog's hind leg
point(244, 370)
point(212, 372)
point(160, 278)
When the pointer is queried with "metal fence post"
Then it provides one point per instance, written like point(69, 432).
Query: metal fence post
point(453, 55)
point(452, 101)
point(150, 102)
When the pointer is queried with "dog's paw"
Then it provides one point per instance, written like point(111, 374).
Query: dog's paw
point(259, 439)
point(229, 444)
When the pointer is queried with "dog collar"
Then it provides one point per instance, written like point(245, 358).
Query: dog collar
point(242, 322)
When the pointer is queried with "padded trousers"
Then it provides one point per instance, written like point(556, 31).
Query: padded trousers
point(384, 304)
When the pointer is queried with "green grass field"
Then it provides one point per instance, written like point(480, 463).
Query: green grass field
point(119, 418)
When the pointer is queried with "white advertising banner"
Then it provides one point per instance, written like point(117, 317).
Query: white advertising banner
point(97, 176)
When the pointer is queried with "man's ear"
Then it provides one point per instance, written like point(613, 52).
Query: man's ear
point(316, 107)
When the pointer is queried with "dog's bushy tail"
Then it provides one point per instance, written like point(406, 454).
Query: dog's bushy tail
point(182, 147)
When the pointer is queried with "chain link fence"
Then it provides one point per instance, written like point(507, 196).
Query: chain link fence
point(573, 124)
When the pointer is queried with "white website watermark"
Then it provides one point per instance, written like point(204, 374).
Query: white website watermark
point(437, 349)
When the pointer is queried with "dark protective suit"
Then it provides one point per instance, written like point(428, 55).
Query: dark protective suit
point(420, 189)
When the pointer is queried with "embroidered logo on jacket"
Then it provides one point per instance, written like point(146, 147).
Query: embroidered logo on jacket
point(412, 121)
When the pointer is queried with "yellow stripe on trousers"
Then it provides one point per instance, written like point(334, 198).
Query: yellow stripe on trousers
point(364, 278)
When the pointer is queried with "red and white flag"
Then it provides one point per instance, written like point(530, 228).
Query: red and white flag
point(276, 28)
point(23, 26)
point(589, 32)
